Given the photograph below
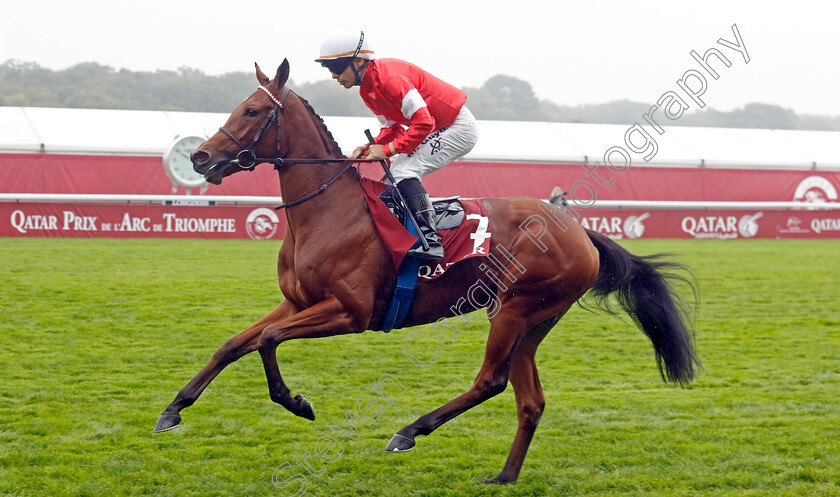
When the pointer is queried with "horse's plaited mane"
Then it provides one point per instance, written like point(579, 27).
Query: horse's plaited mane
point(331, 144)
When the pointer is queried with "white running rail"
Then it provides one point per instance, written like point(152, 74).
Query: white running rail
point(252, 200)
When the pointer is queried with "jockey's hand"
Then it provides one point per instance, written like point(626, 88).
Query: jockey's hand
point(360, 152)
point(376, 152)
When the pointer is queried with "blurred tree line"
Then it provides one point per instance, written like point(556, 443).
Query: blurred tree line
point(505, 98)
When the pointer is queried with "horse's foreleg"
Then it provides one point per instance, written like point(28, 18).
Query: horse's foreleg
point(233, 349)
point(492, 378)
point(327, 318)
point(279, 392)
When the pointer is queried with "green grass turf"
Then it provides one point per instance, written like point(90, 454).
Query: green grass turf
point(99, 335)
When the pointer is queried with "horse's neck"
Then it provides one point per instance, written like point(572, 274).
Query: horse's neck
point(324, 213)
point(298, 180)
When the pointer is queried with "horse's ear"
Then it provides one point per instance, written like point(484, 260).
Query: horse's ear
point(261, 77)
point(282, 74)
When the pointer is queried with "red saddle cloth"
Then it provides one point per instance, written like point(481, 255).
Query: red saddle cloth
point(471, 238)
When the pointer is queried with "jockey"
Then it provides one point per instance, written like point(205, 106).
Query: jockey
point(425, 124)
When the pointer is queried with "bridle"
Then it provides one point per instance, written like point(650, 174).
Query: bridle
point(248, 160)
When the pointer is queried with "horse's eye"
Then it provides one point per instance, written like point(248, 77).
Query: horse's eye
point(252, 112)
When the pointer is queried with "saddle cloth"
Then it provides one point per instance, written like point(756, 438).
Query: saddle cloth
point(462, 224)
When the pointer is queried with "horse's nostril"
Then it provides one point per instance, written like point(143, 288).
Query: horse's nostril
point(199, 157)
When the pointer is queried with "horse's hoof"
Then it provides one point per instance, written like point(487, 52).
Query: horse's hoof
point(496, 481)
point(305, 409)
point(167, 422)
point(399, 443)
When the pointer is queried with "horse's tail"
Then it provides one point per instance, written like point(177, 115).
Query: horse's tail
point(642, 286)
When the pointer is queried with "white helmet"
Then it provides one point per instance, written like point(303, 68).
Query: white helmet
point(347, 43)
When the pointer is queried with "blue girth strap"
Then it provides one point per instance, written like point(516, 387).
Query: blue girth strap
point(404, 291)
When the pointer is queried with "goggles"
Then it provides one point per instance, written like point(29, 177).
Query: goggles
point(337, 66)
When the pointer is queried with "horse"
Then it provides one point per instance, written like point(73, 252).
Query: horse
point(336, 277)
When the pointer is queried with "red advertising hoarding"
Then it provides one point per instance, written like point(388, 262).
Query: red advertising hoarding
point(82, 174)
point(263, 223)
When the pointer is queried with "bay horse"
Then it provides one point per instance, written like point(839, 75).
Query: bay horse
point(336, 277)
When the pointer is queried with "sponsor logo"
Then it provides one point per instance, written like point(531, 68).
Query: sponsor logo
point(722, 227)
point(24, 223)
point(821, 225)
point(794, 225)
point(67, 221)
point(616, 227)
point(71, 221)
point(190, 201)
point(815, 190)
point(633, 227)
point(262, 223)
point(748, 225)
point(432, 272)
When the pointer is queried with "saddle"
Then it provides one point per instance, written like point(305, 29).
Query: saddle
point(449, 212)
point(464, 229)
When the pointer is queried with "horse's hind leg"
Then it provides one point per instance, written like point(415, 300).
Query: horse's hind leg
point(239, 345)
point(492, 378)
point(530, 401)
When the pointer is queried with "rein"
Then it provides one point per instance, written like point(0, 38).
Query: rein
point(247, 159)
point(316, 192)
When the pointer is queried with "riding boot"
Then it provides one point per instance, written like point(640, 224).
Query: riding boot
point(419, 203)
point(424, 213)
